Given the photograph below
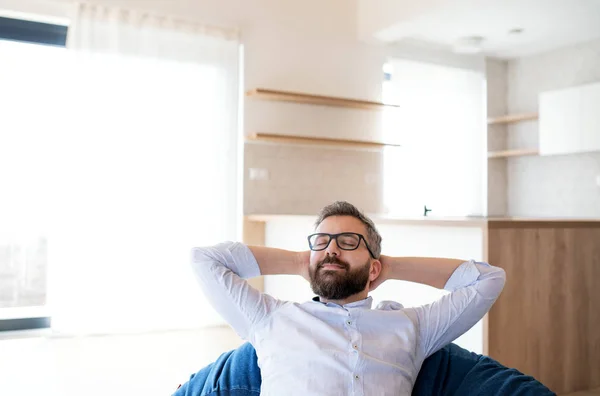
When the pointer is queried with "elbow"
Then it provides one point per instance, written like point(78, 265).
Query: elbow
point(196, 253)
point(497, 283)
point(210, 253)
point(200, 262)
point(199, 255)
point(501, 279)
point(492, 286)
point(501, 276)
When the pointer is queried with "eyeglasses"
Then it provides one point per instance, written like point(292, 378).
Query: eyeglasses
point(344, 240)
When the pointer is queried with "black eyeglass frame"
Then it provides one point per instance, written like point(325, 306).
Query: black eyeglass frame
point(335, 236)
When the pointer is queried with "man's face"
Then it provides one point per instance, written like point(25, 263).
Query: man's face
point(336, 274)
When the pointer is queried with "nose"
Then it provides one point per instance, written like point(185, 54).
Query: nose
point(333, 248)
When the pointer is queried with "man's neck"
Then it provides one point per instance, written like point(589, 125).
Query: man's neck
point(354, 298)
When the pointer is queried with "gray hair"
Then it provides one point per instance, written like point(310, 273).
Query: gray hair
point(343, 208)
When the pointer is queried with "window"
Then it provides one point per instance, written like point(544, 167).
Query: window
point(442, 162)
point(23, 240)
point(143, 172)
point(112, 167)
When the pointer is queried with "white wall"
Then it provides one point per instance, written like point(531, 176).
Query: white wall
point(411, 49)
point(384, 18)
point(289, 233)
point(554, 186)
point(36, 10)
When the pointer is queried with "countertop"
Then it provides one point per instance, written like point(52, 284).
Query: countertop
point(468, 221)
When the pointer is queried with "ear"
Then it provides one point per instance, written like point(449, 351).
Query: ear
point(375, 270)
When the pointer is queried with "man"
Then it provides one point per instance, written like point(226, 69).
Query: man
point(337, 344)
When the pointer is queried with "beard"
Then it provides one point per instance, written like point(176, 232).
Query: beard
point(338, 284)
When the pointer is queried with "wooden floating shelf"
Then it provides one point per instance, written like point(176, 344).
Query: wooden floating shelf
point(293, 139)
point(296, 97)
point(512, 153)
point(512, 118)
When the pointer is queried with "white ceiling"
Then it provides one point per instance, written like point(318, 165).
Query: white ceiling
point(547, 24)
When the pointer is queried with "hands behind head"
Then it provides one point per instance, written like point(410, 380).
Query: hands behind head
point(303, 263)
point(383, 275)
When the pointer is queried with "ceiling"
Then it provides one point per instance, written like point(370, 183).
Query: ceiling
point(546, 24)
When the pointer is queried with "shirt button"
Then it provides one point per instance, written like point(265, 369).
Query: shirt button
point(356, 377)
point(355, 347)
point(348, 322)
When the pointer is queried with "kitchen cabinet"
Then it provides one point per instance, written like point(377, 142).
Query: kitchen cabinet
point(570, 120)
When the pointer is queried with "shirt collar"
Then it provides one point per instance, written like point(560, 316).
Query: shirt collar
point(367, 303)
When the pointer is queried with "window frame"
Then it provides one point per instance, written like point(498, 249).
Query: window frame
point(33, 32)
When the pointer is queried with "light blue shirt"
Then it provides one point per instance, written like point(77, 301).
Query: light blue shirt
point(327, 349)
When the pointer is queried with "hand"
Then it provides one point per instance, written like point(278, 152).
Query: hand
point(303, 259)
point(383, 275)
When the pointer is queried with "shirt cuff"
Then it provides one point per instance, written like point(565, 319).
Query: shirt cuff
point(464, 275)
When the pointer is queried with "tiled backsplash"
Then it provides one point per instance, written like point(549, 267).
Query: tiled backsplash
point(554, 186)
point(297, 179)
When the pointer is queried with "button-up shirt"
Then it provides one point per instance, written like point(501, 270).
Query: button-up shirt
point(316, 348)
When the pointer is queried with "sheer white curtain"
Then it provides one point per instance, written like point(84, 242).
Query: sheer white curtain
point(145, 168)
point(29, 110)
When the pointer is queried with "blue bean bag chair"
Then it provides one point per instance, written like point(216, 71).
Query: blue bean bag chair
point(450, 371)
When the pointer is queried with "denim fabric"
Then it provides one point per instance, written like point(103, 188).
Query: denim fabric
point(451, 371)
point(454, 371)
point(234, 373)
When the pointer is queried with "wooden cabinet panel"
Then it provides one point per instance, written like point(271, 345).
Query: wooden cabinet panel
point(546, 323)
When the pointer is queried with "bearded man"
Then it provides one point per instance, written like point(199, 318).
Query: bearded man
point(337, 344)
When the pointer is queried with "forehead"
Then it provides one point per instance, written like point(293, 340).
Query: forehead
point(337, 224)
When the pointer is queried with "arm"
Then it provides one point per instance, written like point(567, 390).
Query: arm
point(429, 271)
point(221, 271)
point(474, 288)
point(281, 262)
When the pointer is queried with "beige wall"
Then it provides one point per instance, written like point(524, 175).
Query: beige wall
point(563, 185)
point(304, 179)
point(497, 84)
